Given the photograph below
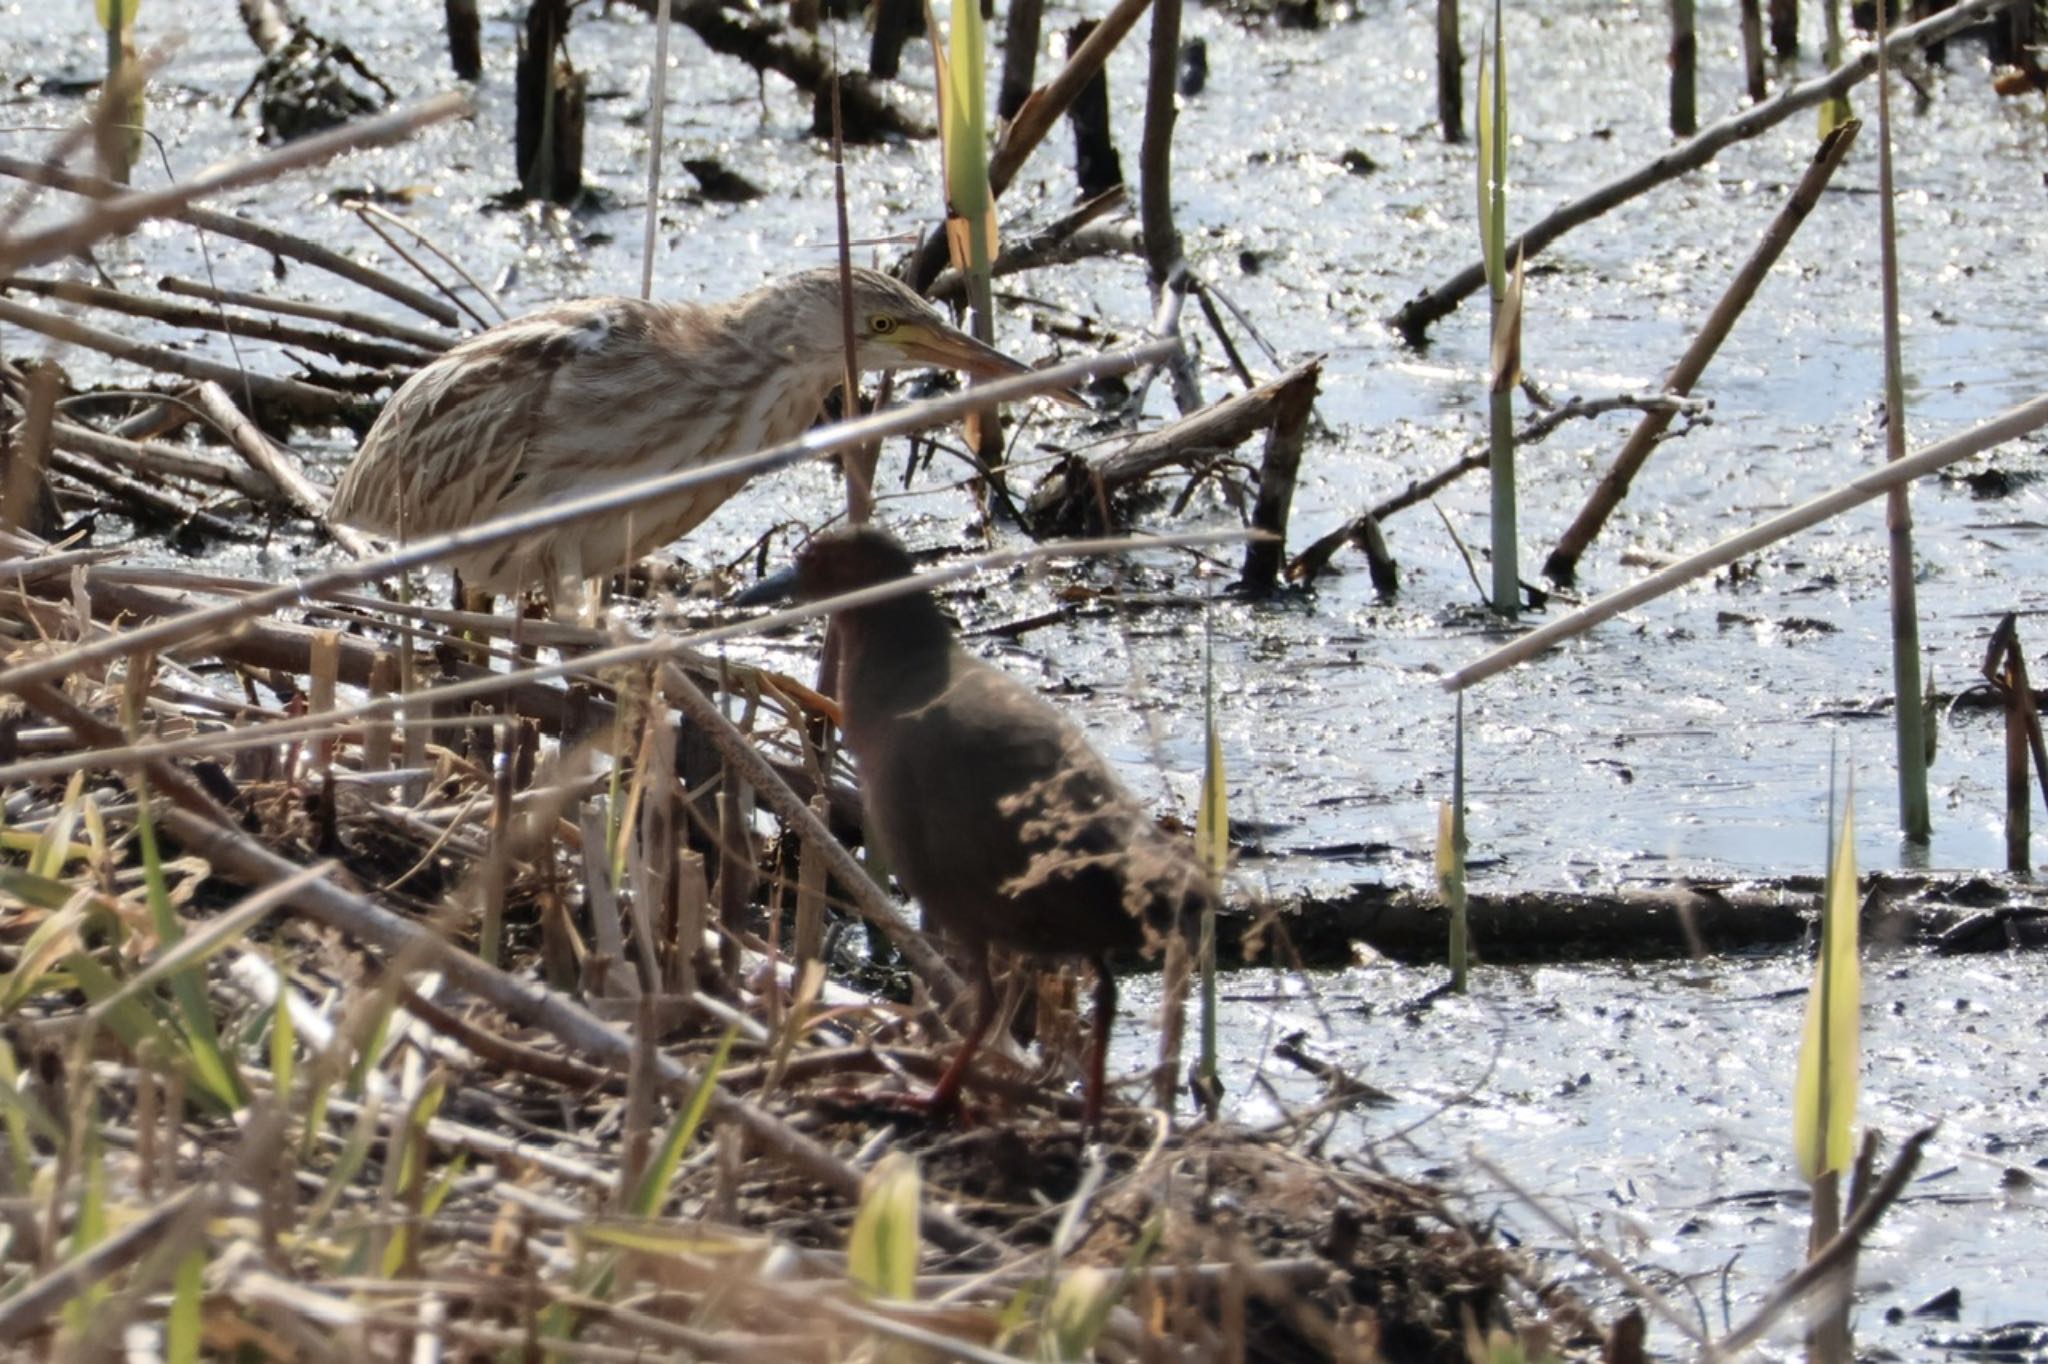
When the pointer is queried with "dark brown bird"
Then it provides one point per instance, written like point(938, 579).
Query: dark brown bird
point(989, 804)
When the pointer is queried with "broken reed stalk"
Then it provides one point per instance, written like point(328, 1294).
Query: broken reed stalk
point(1785, 27)
point(1264, 556)
point(857, 465)
point(1098, 170)
point(1155, 155)
point(2005, 667)
point(1450, 73)
point(2013, 422)
point(1915, 818)
point(1504, 294)
point(1020, 56)
point(1416, 317)
point(276, 465)
point(465, 39)
point(1070, 495)
point(1684, 60)
point(623, 498)
point(1563, 563)
point(1753, 50)
point(657, 84)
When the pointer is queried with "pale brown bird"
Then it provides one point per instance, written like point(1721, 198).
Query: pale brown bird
point(602, 391)
point(989, 805)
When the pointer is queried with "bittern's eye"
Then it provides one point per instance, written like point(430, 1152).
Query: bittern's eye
point(881, 324)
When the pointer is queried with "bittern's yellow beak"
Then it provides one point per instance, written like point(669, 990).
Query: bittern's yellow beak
point(929, 344)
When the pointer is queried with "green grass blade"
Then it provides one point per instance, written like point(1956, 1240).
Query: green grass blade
point(183, 1332)
point(661, 1171)
point(188, 986)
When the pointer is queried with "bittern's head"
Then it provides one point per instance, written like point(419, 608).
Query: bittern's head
point(893, 328)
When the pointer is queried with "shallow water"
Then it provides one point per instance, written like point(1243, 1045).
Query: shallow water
point(1692, 737)
point(1649, 1108)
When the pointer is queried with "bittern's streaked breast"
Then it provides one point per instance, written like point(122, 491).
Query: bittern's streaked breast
point(603, 391)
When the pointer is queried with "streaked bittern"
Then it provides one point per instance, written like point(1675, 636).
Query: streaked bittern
point(604, 391)
point(989, 804)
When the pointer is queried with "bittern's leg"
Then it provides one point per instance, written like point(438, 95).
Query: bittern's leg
point(945, 1096)
point(1098, 1049)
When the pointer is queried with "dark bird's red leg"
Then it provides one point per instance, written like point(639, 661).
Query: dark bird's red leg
point(945, 1096)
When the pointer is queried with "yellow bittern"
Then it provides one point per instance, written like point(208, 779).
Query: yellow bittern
point(604, 391)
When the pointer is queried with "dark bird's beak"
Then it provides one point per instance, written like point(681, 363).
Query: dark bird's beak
point(777, 589)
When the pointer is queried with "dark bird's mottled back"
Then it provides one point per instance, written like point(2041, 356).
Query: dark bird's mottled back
point(990, 805)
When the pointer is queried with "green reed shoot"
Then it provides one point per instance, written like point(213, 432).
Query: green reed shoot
point(1505, 292)
point(1909, 719)
point(1450, 859)
point(1824, 1091)
point(963, 130)
point(882, 1249)
point(184, 1330)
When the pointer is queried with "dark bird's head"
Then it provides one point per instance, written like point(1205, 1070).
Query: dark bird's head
point(848, 561)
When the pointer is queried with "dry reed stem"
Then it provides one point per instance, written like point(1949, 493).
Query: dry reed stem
point(1679, 382)
point(276, 465)
point(659, 649)
point(124, 212)
point(303, 400)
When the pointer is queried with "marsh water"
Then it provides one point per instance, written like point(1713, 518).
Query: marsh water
point(1692, 737)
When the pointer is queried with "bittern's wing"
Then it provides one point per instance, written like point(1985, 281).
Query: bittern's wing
point(511, 420)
